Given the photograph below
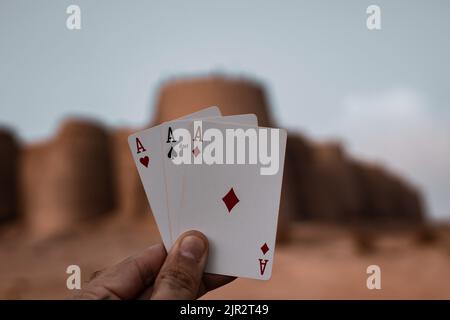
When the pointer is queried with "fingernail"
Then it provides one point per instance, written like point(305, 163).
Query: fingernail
point(192, 247)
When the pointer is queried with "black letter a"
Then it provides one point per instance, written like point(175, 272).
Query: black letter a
point(170, 137)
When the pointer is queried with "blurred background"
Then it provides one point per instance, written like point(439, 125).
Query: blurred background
point(366, 174)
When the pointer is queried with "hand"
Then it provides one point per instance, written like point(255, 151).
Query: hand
point(154, 274)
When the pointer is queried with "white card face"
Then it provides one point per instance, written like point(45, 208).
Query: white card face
point(145, 147)
point(235, 205)
point(174, 173)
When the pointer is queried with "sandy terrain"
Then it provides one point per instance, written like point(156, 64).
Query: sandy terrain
point(321, 262)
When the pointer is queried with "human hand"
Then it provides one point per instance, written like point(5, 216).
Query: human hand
point(154, 274)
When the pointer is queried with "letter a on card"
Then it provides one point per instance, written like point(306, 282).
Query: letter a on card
point(139, 147)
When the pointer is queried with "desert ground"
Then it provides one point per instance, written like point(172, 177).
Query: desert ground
point(320, 261)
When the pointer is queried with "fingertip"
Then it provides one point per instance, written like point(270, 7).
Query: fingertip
point(196, 234)
point(181, 274)
point(159, 247)
point(151, 260)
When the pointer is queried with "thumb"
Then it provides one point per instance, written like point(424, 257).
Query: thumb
point(182, 272)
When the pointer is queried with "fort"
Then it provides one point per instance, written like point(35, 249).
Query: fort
point(86, 171)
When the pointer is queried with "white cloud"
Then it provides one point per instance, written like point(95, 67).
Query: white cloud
point(395, 127)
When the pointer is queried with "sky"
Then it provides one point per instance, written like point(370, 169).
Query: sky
point(384, 93)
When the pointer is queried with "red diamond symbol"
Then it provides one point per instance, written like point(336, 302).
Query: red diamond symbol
point(230, 200)
point(264, 248)
point(196, 152)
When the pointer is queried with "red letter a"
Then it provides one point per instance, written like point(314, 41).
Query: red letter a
point(262, 265)
point(140, 148)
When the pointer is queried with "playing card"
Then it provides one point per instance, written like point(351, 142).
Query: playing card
point(235, 200)
point(173, 148)
point(146, 150)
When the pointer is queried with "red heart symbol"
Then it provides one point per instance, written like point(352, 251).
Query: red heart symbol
point(145, 160)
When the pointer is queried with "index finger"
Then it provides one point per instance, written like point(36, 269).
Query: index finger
point(127, 279)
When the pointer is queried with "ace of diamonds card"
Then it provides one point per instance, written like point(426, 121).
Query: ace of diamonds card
point(235, 203)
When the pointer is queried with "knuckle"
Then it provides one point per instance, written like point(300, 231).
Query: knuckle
point(96, 274)
point(179, 279)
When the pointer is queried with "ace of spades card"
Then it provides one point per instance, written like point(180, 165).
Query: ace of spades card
point(236, 207)
point(174, 147)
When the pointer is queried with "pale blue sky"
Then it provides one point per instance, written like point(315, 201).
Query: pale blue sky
point(384, 93)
